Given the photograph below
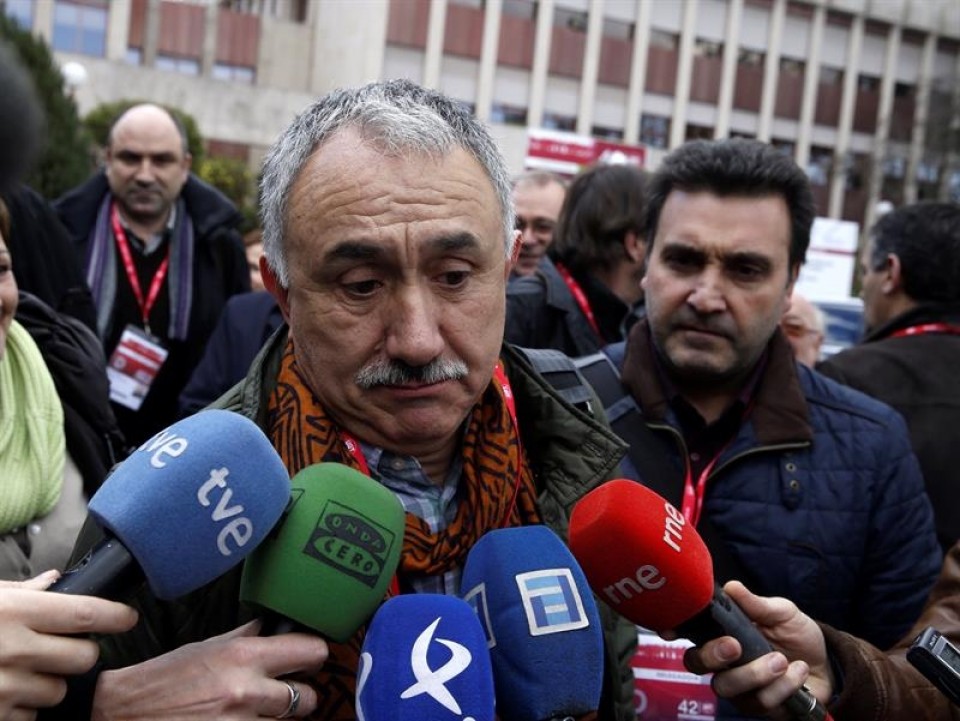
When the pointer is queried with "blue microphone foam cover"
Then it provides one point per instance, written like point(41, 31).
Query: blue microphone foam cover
point(542, 623)
point(194, 500)
point(425, 658)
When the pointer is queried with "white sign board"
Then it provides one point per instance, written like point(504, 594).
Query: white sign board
point(831, 260)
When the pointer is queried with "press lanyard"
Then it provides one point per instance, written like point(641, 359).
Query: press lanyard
point(693, 493)
point(927, 329)
point(145, 305)
point(353, 448)
point(580, 297)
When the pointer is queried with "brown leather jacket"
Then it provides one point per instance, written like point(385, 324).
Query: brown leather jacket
point(883, 685)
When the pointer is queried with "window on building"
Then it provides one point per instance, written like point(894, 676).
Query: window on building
point(699, 132)
point(655, 130)
point(294, 10)
point(786, 147)
point(894, 166)
point(818, 167)
point(604, 133)
point(617, 29)
point(791, 66)
point(570, 19)
point(20, 11)
point(556, 121)
point(234, 73)
point(79, 29)
point(752, 58)
point(664, 40)
point(134, 56)
point(868, 83)
point(187, 66)
point(708, 48)
point(903, 90)
point(856, 169)
point(928, 171)
point(519, 8)
point(831, 76)
point(508, 114)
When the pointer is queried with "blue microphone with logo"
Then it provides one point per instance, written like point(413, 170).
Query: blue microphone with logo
point(542, 624)
point(425, 658)
point(184, 508)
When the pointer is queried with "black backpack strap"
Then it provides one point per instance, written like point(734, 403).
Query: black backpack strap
point(560, 372)
point(649, 454)
point(650, 459)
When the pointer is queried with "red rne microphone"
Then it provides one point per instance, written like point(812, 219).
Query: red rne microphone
point(648, 564)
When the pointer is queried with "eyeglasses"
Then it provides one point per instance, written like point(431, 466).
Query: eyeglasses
point(538, 226)
point(797, 329)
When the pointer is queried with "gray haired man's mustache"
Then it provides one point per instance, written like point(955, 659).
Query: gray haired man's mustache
point(398, 373)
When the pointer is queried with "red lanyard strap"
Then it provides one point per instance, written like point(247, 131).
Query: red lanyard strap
point(580, 297)
point(145, 305)
point(927, 329)
point(693, 493)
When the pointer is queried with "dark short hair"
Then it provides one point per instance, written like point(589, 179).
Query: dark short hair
point(602, 204)
point(5, 222)
point(736, 167)
point(926, 239)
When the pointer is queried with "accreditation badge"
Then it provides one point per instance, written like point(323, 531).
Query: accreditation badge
point(663, 688)
point(134, 365)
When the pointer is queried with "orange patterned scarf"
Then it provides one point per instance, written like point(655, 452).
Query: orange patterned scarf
point(304, 434)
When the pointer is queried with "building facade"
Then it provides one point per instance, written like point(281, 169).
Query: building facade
point(865, 94)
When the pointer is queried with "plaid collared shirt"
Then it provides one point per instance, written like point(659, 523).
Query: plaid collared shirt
point(436, 505)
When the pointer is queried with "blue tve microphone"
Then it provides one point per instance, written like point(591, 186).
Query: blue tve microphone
point(542, 624)
point(184, 508)
point(425, 658)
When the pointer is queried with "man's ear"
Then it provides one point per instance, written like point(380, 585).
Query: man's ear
point(894, 275)
point(634, 246)
point(272, 284)
point(515, 253)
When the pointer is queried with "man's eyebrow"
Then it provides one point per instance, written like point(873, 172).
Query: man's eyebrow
point(457, 241)
point(746, 256)
point(354, 250)
point(365, 251)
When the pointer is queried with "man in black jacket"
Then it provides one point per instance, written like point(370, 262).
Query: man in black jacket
point(161, 255)
point(911, 351)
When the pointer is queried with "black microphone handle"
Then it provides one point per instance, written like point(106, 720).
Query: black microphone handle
point(723, 617)
point(107, 571)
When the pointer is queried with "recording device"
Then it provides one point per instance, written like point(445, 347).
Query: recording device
point(184, 508)
point(541, 622)
point(935, 657)
point(329, 561)
point(643, 559)
point(425, 658)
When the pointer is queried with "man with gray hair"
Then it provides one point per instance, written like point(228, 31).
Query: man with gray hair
point(388, 239)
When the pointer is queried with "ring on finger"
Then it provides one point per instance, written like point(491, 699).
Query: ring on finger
point(294, 701)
